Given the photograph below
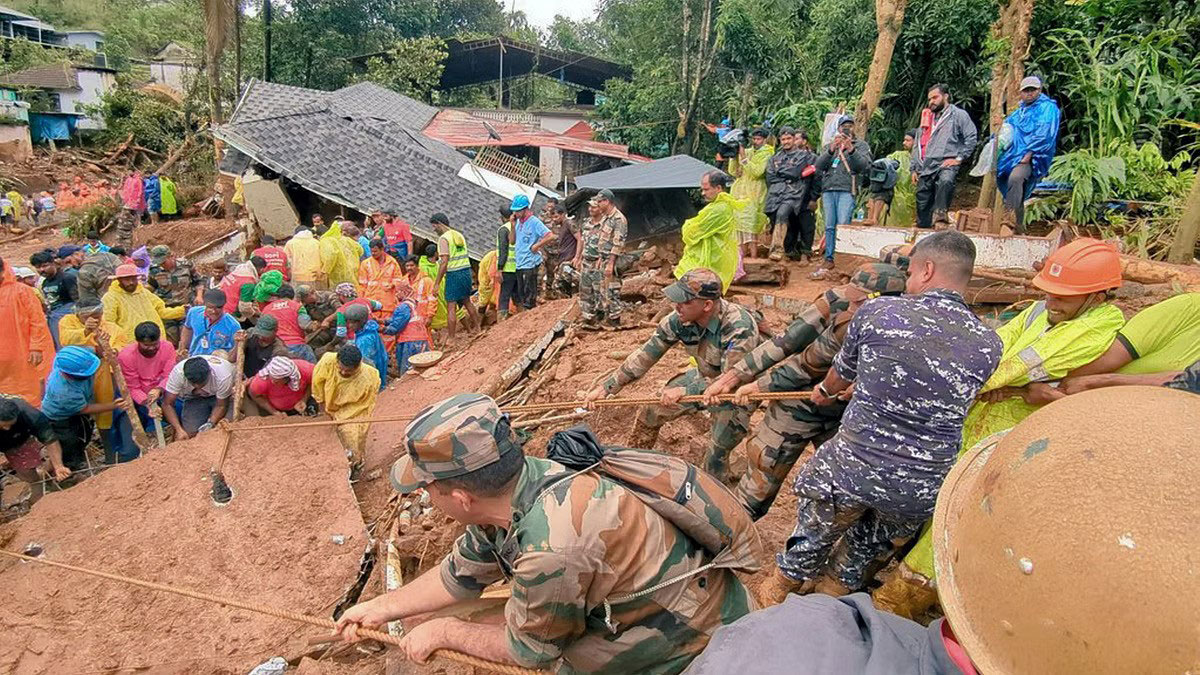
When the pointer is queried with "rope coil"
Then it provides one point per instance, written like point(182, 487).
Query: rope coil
point(328, 624)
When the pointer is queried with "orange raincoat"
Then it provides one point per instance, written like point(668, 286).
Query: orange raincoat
point(23, 329)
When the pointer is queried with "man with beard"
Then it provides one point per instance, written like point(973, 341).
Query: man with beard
point(947, 139)
point(789, 175)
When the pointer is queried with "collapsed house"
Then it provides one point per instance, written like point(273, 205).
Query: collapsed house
point(656, 197)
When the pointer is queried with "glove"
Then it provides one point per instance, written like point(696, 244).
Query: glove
point(204, 427)
point(340, 332)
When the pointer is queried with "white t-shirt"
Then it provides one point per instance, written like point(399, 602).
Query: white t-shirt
point(220, 380)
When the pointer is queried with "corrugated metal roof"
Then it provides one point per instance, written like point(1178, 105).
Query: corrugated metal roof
point(462, 129)
point(677, 171)
point(352, 146)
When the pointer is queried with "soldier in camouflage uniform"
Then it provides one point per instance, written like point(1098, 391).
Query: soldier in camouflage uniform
point(176, 282)
point(94, 276)
point(916, 362)
point(569, 543)
point(602, 243)
point(896, 254)
point(795, 361)
point(717, 334)
point(320, 305)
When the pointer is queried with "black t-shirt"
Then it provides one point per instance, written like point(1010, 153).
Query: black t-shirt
point(30, 423)
point(61, 288)
point(257, 355)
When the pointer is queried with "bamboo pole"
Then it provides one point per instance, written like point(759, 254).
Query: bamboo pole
point(104, 346)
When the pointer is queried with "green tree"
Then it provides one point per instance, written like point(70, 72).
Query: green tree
point(412, 67)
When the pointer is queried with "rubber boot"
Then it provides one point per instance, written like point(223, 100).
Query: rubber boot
point(643, 435)
point(777, 587)
point(830, 586)
point(906, 593)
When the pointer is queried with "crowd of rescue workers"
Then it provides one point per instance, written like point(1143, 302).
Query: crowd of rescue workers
point(618, 559)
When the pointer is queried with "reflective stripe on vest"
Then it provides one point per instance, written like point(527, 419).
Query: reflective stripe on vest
point(510, 265)
point(458, 254)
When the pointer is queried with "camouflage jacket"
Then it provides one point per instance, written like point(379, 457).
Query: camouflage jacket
point(1188, 380)
point(322, 305)
point(176, 287)
point(917, 363)
point(799, 357)
point(576, 542)
point(605, 238)
point(729, 335)
point(93, 276)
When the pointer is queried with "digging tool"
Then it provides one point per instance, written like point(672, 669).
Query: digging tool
point(222, 494)
point(109, 356)
point(238, 381)
point(156, 415)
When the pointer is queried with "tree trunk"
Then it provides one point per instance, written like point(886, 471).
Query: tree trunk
point(1183, 249)
point(237, 46)
point(1011, 26)
point(685, 79)
point(266, 14)
point(705, 55)
point(889, 17)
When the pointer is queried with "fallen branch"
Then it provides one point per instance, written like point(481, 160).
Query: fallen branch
point(175, 154)
point(23, 235)
point(120, 149)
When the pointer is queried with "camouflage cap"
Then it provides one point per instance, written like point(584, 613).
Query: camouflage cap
point(698, 282)
point(879, 278)
point(159, 254)
point(461, 434)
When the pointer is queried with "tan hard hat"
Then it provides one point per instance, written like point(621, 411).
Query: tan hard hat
point(1072, 543)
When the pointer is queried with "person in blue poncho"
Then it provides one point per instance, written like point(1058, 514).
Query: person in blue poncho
point(368, 341)
point(1033, 127)
point(152, 189)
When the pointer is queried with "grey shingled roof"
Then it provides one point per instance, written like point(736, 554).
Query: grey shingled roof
point(676, 171)
point(355, 146)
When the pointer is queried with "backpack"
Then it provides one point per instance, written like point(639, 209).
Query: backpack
point(882, 173)
point(689, 498)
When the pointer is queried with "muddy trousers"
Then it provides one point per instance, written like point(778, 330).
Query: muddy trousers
point(780, 439)
point(823, 515)
point(730, 424)
point(127, 219)
point(597, 298)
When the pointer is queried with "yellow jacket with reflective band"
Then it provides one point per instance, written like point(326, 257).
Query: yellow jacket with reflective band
point(1034, 351)
point(510, 265)
point(458, 251)
point(710, 239)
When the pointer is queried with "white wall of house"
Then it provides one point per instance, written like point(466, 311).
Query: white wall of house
point(85, 39)
point(92, 85)
point(558, 123)
point(174, 75)
point(550, 166)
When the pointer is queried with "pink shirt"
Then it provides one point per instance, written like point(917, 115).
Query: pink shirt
point(143, 374)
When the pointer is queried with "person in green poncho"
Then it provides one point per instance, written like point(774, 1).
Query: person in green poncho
point(710, 237)
point(902, 212)
point(429, 265)
point(750, 185)
point(170, 207)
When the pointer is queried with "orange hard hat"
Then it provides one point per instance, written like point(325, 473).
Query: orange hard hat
point(1081, 267)
point(1063, 545)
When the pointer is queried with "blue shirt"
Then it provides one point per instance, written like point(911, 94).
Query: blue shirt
point(917, 363)
point(366, 247)
point(206, 338)
point(528, 234)
point(65, 396)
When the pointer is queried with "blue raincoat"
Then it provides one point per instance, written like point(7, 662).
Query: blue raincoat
point(153, 191)
point(373, 352)
point(1034, 129)
point(65, 396)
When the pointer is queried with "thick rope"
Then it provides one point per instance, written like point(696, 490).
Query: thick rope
point(277, 613)
point(546, 407)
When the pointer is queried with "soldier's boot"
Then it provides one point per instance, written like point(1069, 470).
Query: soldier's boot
point(830, 586)
point(644, 435)
point(905, 593)
point(777, 236)
point(777, 587)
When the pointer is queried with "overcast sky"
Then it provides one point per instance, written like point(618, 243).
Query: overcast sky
point(541, 12)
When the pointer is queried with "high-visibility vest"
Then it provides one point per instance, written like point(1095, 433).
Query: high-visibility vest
point(458, 252)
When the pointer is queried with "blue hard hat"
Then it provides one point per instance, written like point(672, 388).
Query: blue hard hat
point(77, 361)
point(519, 202)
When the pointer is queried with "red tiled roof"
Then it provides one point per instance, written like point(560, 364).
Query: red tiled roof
point(462, 129)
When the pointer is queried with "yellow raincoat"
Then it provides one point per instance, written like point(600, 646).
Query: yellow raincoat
point(1034, 351)
point(347, 398)
point(751, 183)
point(71, 333)
point(304, 257)
point(124, 311)
point(709, 238)
point(339, 257)
point(487, 286)
point(18, 203)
